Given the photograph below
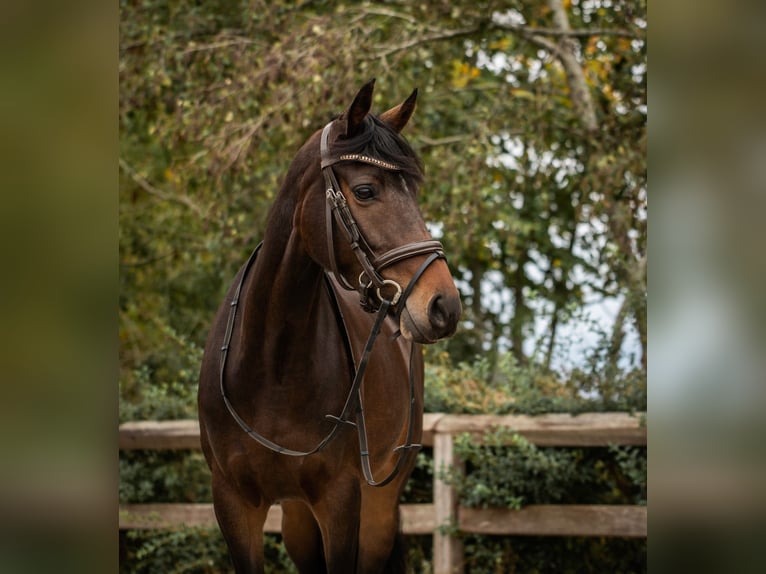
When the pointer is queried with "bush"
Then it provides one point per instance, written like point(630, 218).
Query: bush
point(505, 470)
point(190, 550)
point(503, 386)
point(512, 476)
point(552, 555)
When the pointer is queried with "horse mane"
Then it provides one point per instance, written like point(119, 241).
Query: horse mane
point(279, 222)
point(376, 139)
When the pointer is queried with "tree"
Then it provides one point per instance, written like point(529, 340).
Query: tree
point(531, 124)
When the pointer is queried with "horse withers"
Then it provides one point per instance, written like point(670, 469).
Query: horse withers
point(311, 386)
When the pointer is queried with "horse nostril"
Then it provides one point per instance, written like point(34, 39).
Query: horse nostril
point(437, 313)
point(442, 314)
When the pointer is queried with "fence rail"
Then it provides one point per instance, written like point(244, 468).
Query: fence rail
point(584, 430)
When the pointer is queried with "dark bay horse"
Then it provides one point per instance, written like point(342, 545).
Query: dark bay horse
point(308, 397)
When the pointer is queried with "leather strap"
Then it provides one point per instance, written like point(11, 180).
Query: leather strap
point(406, 251)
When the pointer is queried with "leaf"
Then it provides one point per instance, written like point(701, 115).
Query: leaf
point(523, 94)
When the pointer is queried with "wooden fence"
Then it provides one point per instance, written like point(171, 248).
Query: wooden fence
point(584, 430)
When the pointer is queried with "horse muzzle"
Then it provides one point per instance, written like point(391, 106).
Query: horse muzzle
point(435, 320)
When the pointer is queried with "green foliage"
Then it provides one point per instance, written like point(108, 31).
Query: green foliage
point(163, 476)
point(163, 388)
point(505, 470)
point(419, 489)
point(632, 464)
point(538, 555)
point(172, 551)
point(512, 476)
point(216, 97)
point(500, 385)
point(160, 401)
point(190, 550)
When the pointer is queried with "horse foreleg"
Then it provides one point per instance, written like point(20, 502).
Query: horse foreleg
point(338, 516)
point(242, 526)
point(381, 548)
point(302, 537)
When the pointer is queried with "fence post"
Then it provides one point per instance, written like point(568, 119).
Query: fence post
point(448, 551)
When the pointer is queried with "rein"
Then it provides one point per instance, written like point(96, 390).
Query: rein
point(338, 210)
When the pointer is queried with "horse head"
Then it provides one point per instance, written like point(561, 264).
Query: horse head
point(360, 219)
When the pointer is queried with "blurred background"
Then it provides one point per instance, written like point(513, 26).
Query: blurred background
point(143, 144)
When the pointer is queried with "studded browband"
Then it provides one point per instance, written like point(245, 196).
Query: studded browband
point(368, 159)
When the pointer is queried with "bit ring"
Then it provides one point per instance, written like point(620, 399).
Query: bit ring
point(396, 296)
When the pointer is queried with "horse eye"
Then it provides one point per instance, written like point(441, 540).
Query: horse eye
point(364, 193)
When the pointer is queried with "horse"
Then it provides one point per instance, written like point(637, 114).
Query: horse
point(311, 384)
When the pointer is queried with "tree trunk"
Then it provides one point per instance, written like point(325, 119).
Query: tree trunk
point(566, 52)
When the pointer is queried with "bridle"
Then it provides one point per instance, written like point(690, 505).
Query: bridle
point(372, 265)
point(371, 283)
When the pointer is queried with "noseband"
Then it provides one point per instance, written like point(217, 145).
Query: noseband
point(371, 282)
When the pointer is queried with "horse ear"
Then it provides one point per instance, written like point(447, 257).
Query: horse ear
point(359, 108)
point(398, 117)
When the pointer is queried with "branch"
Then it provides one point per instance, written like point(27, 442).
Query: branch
point(558, 33)
point(221, 44)
point(561, 45)
point(380, 11)
point(438, 36)
point(430, 142)
point(365, 11)
point(578, 88)
point(151, 190)
point(544, 43)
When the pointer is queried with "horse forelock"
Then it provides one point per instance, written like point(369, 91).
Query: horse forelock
point(377, 140)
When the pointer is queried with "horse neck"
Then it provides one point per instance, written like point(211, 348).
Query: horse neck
point(281, 298)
